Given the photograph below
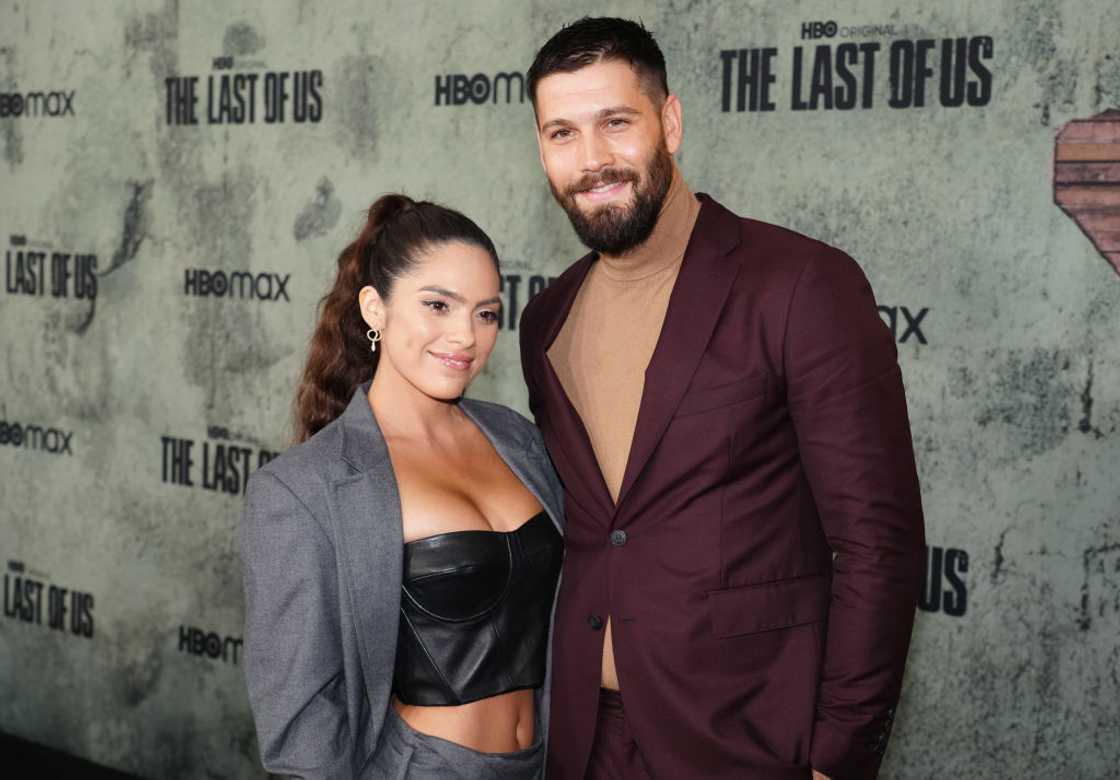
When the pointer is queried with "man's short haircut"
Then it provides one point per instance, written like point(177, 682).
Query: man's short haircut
point(601, 39)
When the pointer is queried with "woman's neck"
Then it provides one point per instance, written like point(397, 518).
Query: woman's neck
point(403, 411)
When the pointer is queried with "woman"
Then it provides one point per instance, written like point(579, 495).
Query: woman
point(401, 562)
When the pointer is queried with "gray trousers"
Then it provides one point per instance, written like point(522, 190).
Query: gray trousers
point(406, 754)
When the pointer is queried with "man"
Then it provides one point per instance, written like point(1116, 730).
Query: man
point(726, 411)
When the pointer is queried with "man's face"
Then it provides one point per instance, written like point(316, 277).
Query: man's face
point(606, 146)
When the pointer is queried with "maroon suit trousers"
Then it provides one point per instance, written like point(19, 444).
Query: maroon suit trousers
point(614, 753)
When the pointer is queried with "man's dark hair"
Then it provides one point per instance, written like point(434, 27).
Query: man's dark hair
point(592, 40)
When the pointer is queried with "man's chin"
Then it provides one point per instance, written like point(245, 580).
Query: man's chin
point(617, 209)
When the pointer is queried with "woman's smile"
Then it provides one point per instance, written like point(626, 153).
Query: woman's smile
point(458, 361)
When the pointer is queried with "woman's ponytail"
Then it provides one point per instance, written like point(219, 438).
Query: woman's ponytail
point(339, 358)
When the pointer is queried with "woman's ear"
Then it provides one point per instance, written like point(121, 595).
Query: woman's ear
point(372, 307)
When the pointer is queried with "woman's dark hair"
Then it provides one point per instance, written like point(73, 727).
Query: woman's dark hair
point(592, 40)
point(398, 230)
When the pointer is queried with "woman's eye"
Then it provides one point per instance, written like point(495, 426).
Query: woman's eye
point(489, 316)
point(438, 306)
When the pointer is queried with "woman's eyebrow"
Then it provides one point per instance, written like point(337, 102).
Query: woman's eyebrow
point(456, 297)
point(441, 291)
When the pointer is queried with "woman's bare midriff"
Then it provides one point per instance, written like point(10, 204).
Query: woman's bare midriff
point(497, 724)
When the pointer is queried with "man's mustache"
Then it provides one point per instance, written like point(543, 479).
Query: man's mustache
point(605, 176)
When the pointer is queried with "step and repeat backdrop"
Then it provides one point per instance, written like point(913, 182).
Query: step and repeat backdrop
point(177, 179)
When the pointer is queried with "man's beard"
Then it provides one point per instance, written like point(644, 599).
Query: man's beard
point(615, 230)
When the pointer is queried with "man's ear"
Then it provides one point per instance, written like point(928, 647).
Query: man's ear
point(371, 307)
point(671, 123)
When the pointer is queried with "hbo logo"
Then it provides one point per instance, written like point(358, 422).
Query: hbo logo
point(818, 30)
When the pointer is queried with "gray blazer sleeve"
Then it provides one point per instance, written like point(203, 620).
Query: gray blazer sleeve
point(293, 656)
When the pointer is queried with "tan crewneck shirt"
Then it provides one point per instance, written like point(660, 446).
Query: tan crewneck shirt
point(605, 344)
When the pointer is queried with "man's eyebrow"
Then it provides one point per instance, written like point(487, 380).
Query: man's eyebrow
point(456, 297)
point(599, 116)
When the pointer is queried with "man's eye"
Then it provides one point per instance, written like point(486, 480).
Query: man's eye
point(618, 122)
point(559, 134)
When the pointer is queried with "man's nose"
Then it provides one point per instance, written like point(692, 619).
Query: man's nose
point(596, 153)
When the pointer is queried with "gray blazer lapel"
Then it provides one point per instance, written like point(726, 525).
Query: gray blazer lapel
point(365, 509)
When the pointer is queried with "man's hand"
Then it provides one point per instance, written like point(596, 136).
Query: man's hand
point(819, 776)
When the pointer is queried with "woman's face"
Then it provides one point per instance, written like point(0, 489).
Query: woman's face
point(440, 322)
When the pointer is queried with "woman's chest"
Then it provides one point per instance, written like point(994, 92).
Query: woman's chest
point(468, 490)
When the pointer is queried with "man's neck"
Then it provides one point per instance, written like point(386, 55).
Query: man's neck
point(667, 242)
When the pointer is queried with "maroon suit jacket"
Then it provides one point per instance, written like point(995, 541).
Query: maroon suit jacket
point(762, 564)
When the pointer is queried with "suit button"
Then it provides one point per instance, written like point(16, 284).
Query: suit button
point(618, 537)
point(595, 622)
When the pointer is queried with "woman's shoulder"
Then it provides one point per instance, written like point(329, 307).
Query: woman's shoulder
point(306, 468)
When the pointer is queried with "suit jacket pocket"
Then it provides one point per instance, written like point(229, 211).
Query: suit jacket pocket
point(770, 605)
point(708, 398)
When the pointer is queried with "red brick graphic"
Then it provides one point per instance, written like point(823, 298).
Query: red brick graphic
point(1087, 179)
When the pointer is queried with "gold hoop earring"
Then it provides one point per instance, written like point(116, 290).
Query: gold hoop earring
point(374, 336)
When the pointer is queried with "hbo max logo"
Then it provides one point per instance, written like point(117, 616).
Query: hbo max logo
point(457, 89)
point(56, 103)
point(196, 641)
point(35, 437)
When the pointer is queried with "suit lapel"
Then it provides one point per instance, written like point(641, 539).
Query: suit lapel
point(577, 462)
point(698, 296)
point(365, 507)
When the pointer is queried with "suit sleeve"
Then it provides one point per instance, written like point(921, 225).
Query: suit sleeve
point(529, 338)
point(847, 403)
point(293, 650)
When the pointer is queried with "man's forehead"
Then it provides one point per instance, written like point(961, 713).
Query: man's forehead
point(589, 89)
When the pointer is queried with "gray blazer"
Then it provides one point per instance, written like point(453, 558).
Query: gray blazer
point(321, 544)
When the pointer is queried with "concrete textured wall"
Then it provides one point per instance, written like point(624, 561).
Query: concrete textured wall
point(120, 638)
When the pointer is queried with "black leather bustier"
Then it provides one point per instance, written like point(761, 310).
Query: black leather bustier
point(475, 609)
